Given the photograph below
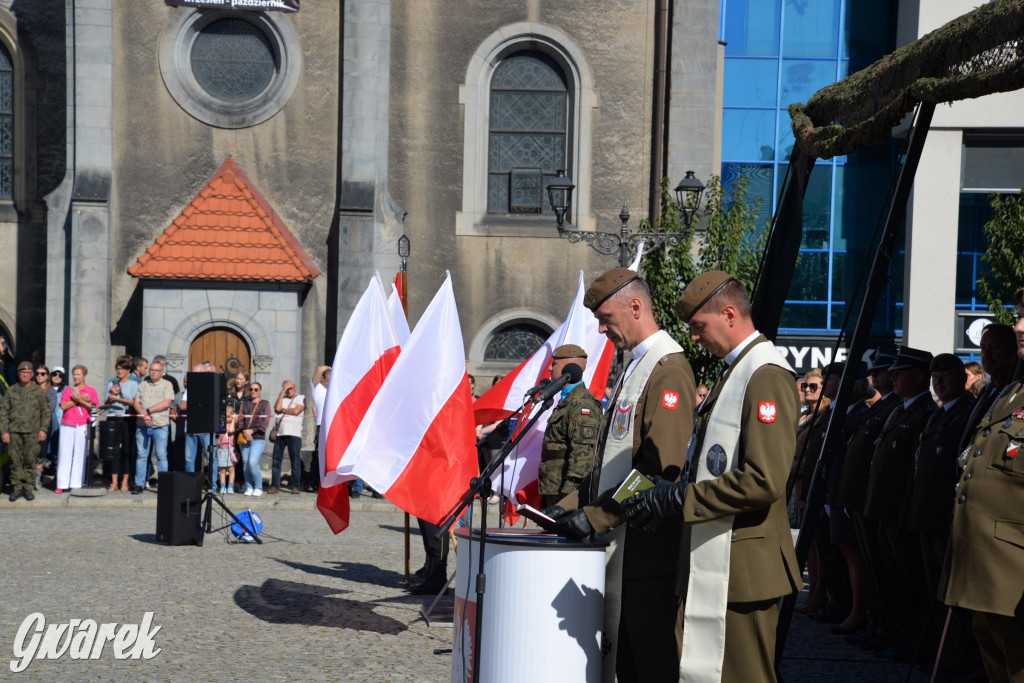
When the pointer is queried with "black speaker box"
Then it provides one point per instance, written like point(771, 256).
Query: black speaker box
point(207, 402)
point(179, 515)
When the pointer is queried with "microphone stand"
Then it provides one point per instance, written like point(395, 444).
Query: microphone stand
point(482, 485)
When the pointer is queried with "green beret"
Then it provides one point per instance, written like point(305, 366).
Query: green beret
point(568, 351)
point(606, 285)
point(699, 292)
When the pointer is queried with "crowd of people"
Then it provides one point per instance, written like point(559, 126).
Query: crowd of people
point(141, 420)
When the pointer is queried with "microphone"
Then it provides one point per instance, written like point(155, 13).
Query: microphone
point(533, 390)
point(571, 374)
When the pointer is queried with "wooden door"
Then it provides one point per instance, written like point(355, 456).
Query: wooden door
point(224, 348)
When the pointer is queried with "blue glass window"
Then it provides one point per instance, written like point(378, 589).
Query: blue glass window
point(750, 82)
point(801, 78)
point(748, 134)
point(811, 28)
point(752, 27)
point(528, 132)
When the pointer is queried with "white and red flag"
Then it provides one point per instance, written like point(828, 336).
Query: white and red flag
point(517, 478)
point(367, 351)
point(416, 444)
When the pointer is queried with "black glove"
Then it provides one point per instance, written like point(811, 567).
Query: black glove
point(645, 509)
point(554, 512)
point(574, 526)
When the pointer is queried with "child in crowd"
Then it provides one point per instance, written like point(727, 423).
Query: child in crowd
point(226, 457)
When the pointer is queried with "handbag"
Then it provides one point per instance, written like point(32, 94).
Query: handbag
point(273, 430)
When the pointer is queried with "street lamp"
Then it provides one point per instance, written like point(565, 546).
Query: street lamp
point(688, 195)
point(560, 196)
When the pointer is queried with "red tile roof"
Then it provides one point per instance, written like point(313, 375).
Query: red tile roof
point(227, 233)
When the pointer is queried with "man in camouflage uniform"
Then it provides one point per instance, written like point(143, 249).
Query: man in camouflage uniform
point(571, 434)
point(24, 424)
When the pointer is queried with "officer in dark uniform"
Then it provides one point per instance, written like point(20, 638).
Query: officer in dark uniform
point(985, 561)
point(892, 468)
point(853, 486)
point(571, 434)
point(930, 505)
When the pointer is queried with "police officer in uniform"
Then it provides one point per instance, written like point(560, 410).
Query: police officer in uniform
point(892, 468)
point(984, 567)
point(569, 439)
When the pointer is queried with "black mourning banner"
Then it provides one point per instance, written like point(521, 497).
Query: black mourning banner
point(250, 5)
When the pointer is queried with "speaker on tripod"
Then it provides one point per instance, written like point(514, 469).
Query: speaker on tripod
point(179, 508)
point(207, 402)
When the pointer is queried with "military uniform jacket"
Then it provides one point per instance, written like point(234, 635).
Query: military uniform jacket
point(892, 466)
point(569, 441)
point(853, 484)
point(25, 410)
point(985, 562)
point(660, 434)
point(930, 507)
point(762, 561)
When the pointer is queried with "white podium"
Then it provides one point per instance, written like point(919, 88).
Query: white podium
point(543, 608)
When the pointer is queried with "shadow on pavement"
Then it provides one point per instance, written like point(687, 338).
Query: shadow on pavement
point(359, 572)
point(288, 602)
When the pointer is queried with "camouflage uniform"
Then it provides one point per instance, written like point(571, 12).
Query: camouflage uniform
point(24, 412)
point(569, 441)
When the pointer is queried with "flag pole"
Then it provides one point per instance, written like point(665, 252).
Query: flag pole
point(403, 290)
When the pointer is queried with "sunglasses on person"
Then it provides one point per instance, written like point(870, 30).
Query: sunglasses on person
point(56, 374)
point(256, 389)
point(809, 386)
point(44, 373)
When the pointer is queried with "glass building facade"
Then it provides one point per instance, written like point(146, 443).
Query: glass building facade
point(779, 52)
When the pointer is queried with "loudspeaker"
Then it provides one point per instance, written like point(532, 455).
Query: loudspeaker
point(207, 402)
point(179, 515)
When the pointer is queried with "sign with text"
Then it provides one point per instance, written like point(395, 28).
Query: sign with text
point(250, 5)
point(807, 353)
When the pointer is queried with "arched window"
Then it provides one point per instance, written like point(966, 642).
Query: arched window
point(528, 138)
point(514, 343)
point(6, 124)
point(529, 101)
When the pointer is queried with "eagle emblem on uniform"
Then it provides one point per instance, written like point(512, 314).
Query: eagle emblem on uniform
point(766, 411)
point(670, 400)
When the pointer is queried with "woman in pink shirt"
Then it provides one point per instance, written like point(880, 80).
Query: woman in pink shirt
point(77, 401)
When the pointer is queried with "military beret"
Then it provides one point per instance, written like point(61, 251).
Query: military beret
point(885, 354)
point(25, 365)
point(607, 284)
point(699, 291)
point(568, 351)
point(946, 361)
point(1019, 297)
point(909, 357)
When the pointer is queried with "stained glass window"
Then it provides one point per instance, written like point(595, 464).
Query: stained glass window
point(528, 132)
point(6, 124)
point(514, 343)
point(233, 60)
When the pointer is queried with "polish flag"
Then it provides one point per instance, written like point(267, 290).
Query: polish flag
point(416, 444)
point(517, 478)
point(368, 349)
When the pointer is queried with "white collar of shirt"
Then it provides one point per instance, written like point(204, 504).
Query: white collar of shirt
point(734, 354)
point(952, 402)
point(909, 401)
point(638, 352)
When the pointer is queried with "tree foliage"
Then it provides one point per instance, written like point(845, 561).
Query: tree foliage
point(732, 242)
point(1004, 235)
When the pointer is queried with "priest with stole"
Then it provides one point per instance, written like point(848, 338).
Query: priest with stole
point(736, 555)
point(646, 427)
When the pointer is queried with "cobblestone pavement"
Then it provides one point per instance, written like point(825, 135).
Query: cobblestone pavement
point(304, 605)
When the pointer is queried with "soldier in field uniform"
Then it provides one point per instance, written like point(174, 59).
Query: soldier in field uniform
point(571, 434)
point(24, 424)
point(984, 567)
